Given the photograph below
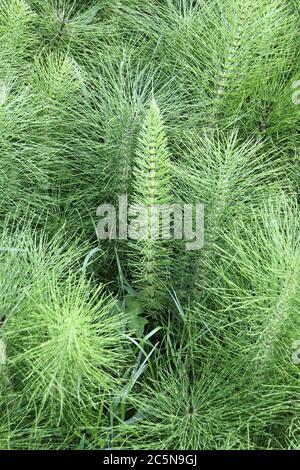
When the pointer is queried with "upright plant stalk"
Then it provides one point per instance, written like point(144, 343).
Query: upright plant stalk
point(150, 255)
point(228, 177)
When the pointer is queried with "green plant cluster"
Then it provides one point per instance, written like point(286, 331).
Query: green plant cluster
point(142, 344)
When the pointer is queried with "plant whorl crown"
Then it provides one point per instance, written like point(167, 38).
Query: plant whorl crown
point(65, 345)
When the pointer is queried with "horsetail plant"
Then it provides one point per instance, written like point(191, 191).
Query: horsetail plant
point(135, 341)
point(150, 257)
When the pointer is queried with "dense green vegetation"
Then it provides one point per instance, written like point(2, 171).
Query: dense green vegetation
point(143, 344)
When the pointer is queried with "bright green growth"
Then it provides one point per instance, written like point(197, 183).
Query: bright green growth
point(177, 411)
point(141, 343)
point(150, 257)
point(65, 345)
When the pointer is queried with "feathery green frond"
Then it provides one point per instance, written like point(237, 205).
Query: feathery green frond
point(151, 255)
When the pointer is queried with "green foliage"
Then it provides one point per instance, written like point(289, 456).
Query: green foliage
point(141, 343)
point(150, 258)
point(65, 346)
point(179, 415)
point(227, 176)
point(261, 291)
